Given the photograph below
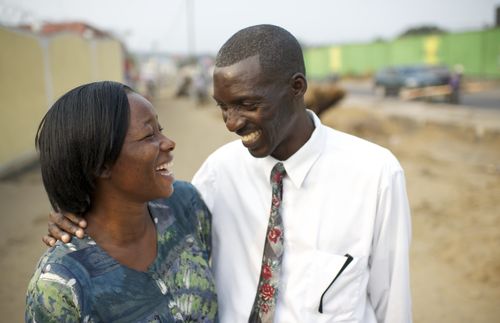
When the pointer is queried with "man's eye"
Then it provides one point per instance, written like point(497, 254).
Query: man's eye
point(250, 106)
point(221, 106)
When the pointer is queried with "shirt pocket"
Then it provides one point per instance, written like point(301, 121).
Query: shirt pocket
point(335, 287)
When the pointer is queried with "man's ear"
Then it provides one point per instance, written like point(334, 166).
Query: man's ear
point(299, 84)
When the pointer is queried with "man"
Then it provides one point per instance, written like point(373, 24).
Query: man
point(335, 247)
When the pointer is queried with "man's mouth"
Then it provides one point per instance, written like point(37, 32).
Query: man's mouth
point(165, 169)
point(251, 138)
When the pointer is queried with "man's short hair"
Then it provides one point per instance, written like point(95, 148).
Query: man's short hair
point(279, 51)
point(81, 134)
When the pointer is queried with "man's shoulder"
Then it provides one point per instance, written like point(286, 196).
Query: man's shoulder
point(222, 161)
point(341, 144)
point(230, 151)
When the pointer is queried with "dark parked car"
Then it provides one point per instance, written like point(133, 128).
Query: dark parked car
point(390, 80)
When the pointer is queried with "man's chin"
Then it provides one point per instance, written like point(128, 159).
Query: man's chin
point(258, 153)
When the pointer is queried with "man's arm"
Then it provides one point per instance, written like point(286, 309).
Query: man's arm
point(62, 226)
point(389, 285)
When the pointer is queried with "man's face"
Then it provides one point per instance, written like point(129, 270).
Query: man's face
point(257, 108)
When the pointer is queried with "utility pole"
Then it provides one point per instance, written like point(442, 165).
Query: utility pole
point(190, 27)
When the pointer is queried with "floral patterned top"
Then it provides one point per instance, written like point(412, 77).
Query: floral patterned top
point(80, 282)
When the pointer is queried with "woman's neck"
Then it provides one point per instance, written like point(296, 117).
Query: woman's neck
point(121, 224)
point(125, 231)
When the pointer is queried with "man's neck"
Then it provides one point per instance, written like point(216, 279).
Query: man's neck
point(305, 124)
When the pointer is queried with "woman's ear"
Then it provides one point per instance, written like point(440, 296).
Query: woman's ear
point(105, 172)
point(299, 84)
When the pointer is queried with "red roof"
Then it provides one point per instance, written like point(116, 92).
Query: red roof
point(76, 27)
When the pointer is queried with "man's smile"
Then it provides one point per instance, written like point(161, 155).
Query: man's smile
point(251, 138)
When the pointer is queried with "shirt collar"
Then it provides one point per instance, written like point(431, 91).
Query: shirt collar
point(298, 165)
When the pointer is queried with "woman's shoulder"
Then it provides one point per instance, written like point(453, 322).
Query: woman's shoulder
point(184, 210)
point(184, 197)
point(72, 263)
point(62, 255)
point(66, 261)
point(183, 189)
point(57, 280)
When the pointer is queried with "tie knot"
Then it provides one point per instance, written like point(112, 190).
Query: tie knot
point(277, 173)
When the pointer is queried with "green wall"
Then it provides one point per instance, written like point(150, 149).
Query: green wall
point(477, 51)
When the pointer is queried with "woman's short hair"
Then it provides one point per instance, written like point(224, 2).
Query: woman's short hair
point(82, 133)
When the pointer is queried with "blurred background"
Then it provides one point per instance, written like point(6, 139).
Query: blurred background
point(419, 77)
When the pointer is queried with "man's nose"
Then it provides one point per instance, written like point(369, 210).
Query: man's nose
point(233, 119)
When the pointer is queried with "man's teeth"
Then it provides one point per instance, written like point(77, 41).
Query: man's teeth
point(251, 136)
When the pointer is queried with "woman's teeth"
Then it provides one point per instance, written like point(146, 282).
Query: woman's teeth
point(251, 137)
point(164, 169)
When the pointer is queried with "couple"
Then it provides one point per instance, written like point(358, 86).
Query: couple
point(309, 224)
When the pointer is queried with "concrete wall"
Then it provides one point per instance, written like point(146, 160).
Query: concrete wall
point(23, 96)
point(34, 72)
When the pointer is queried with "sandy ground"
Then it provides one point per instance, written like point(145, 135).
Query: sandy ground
point(453, 177)
point(453, 181)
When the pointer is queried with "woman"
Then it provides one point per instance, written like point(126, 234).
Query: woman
point(103, 156)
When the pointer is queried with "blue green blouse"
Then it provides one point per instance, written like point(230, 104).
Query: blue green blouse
point(80, 282)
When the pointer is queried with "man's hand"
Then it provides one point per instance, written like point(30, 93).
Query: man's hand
point(62, 226)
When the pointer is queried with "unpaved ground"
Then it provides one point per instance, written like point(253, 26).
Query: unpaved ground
point(453, 177)
point(453, 180)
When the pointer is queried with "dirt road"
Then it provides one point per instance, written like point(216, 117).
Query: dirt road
point(453, 176)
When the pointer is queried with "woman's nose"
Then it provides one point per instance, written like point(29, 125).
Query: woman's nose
point(167, 144)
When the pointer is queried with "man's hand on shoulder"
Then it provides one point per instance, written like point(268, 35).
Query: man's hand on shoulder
point(62, 226)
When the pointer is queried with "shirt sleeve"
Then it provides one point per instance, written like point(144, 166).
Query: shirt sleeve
point(204, 181)
point(389, 286)
point(51, 297)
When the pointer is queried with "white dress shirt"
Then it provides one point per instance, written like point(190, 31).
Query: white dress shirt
point(342, 196)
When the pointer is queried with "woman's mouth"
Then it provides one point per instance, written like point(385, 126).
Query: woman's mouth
point(165, 169)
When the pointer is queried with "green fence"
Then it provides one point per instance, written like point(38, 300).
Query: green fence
point(478, 52)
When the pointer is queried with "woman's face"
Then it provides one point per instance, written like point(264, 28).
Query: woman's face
point(143, 170)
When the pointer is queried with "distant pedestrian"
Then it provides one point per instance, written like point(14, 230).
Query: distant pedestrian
point(456, 84)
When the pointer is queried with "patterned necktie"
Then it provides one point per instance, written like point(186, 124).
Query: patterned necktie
point(267, 290)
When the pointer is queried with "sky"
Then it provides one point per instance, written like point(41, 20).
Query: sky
point(163, 25)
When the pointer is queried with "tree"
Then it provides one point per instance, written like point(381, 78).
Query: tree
point(423, 30)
